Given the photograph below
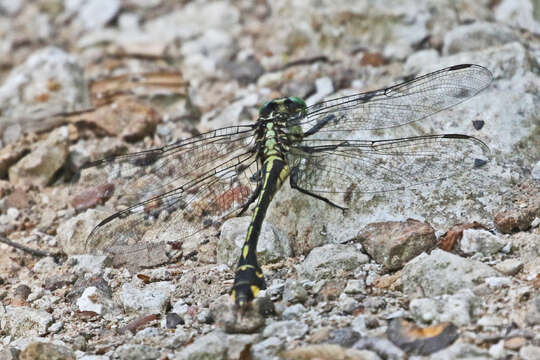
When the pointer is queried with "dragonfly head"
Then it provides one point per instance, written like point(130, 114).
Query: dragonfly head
point(283, 107)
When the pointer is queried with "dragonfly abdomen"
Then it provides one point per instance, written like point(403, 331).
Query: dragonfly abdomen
point(249, 278)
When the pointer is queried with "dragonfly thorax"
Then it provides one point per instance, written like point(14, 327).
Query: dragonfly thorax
point(278, 119)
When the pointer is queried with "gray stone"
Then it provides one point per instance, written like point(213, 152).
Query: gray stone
point(39, 167)
point(477, 36)
point(347, 304)
point(293, 312)
point(460, 350)
point(533, 311)
point(286, 329)
point(239, 343)
point(324, 87)
point(535, 173)
point(210, 346)
point(49, 74)
point(93, 264)
point(22, 321)
point(245, 72)
point(49, 351)
point(358, 324)
point(393, 243)
point(457, 308)
point(214, 44)
point(294, 292)
point(530, 352)
point(268, 349)
point(416, 62)
point(94, 357)
point(345, 337)
point(509, 267)
point(330, 260)
point(518, 13)
point(442, 273)
point(355, 287)
point(45, 265)
point(10, 7)
point(56, 327)
point(497, 282)
point(272, 245)
point(477, 241)
point(191, 20)
point(73, 233)
point(382, 346)
point(151, 298)
point(94, 14)
point(95, 300)
point(137, 352)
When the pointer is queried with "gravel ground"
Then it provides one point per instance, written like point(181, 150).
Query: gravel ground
point(447, 270)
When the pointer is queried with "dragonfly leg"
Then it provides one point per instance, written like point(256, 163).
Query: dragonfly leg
point(251, 199)
point(294, 185)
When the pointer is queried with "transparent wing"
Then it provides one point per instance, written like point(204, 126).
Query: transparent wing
point(173, 192)
point(399, 104)
point(355, 166)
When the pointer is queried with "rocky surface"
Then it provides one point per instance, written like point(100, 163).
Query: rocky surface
point(82, 80)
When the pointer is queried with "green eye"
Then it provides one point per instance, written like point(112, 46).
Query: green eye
point(265, 109)
point(298, 101)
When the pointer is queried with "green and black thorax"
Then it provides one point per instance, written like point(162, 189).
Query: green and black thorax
point(278, 127)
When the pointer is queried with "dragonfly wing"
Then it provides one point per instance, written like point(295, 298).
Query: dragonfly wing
point(399, 104)
point(355, 166)
point(180, 188)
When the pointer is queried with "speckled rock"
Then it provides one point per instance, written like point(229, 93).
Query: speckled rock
point(46, 351)
point(330, 260)
point(24, 321)
point(151, 298)
point(480, 242)
point(272, 245)
point(394, 243)
point(137, 352)
point(286, 329)
point(476, 36)
point(441, 273)
point(457, 308)
point(50, 81)
point(209, 346)
point(39, 167)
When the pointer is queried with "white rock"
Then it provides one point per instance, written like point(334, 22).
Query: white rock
point(477, 241)
point(536, 171)
point(287, 329)
point(45, 265)
point(89, 300)
point(327, 260)
point(46, 69)
point(94, 14)
point(10, 7)
point(21, 321)
point(93, 264)
point(519, 13)
point(151, 298)
point(209, 346)
point(498, 282)
point(441, 272)
point(324, 88)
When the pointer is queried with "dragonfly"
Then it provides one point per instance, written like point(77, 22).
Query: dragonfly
point(196, 183)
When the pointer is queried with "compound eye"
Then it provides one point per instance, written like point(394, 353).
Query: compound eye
point(291, 105)
point(266, 109)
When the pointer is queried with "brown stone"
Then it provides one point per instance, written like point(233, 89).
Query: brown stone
point(393, 243)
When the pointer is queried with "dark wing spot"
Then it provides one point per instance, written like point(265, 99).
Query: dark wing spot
point(479, 163)
point(478, 124)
